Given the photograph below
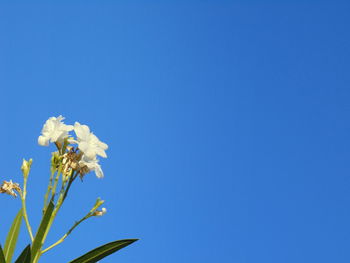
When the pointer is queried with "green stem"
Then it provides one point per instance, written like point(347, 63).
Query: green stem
point(54, 213)
point(67, 234)
point(24, 207)
point(53, 190)
point(91, 213)
point(59, 203)
point(71, 180)
point(49, 187)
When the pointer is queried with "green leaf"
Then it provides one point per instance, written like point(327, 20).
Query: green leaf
point(25, 256)
point(2, 257)
point(12, 237)
point(103, 251)
point(37, 243)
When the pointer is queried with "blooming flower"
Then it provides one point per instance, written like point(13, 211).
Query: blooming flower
point(54, 130)
point(9, 187)
point(88, 142)
point(92, 165)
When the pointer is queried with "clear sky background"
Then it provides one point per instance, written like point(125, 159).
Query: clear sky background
point(227, 121)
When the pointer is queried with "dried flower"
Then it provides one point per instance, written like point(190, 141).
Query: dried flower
point(9, 187)
point(71, 161)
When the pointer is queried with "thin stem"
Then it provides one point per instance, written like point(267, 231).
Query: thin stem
point(71, 180)
point(59, 148)
point(67, 234)
point(25, 216)
point(24, 208)
point(53, 190)
point(52, 218)
point(54, 213)
point(91, 213)
point(49, 187)
point(63, 184)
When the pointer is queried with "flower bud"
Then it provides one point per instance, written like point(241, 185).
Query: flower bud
point(94, 211)
point(26, 166)
point(100, 212)
point(99, 202)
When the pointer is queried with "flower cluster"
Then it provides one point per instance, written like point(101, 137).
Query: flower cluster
point(82, 158)
point(76, 155)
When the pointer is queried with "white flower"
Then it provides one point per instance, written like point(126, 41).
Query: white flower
point(92, 165)
point(88, 142)
point(100, 213)
point(54, 130)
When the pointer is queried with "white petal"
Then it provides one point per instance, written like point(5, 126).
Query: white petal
point(43, 141)
point(102, 145)
point(82, 131)
point(99, 172)
point(55, 135)
point(83, 146)
point(54, 130)
point(68, 127)
point(90, 153)
point(101, 152)
point(72, 141)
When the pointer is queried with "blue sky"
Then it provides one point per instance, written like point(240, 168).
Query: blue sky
point(227, 122)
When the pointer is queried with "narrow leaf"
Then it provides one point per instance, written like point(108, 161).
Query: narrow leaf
point(103, 251)
point(37, 243)
point(25, 256)
point(2, 257)
point(12, 237)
